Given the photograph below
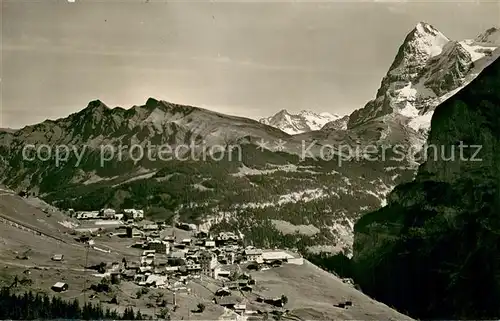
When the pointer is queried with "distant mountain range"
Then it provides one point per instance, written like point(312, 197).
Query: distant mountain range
point(272, 186)
point(302, 122)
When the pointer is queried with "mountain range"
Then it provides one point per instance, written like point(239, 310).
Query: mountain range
point(267, 188)
point(302, 122)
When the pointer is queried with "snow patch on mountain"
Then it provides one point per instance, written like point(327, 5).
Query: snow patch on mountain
point(302, 122)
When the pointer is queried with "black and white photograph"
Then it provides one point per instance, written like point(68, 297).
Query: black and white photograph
point(250, 160)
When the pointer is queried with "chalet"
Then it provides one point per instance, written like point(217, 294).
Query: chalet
point(159, 246)
point(115, 266)
point(156, 280)
point(226, 238)
point(254, 266)
point(231, 285)
point(154, 234)
point(144, 269)
point(273, 256)
point(87, 215)
point(176, 258)
point(186, 226)
point(107, 212)
point(227, 301)
point(208, 262)
point(253, 254)
point(159, 271)
point(133, 266)
point(193, 267)
point(133, 232)
point(150, 227)
point(134, 214)
point(171, 269)
point(210, 244)
point(169, 239)
point(140, 278)
point(223, 292)
point(129, 275)
point(202, 235)
point(186, 242)
point(57, 257)
point(240, 308)
point(179, 245)
point(147, 260)
point(161, 262)
point(118, 217)
point(177, 255)
point(218, 273)
point(277, 302)
point(83, 239)
point(60, 287)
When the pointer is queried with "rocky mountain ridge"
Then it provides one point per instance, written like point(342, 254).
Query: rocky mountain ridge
point(261, 191)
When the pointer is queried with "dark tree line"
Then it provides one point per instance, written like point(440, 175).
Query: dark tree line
point(29, 306)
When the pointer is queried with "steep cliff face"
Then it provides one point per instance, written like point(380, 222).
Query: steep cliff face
point(432, 252)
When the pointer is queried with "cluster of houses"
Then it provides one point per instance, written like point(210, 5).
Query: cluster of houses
point(169, 262)
point(111, 214)
point(203, 255)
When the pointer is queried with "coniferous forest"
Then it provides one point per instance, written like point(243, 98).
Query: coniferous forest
point(29, 306)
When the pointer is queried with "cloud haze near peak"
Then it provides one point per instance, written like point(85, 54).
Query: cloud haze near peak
point(244, 58)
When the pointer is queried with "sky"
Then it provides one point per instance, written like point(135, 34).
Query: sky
point(245, 58)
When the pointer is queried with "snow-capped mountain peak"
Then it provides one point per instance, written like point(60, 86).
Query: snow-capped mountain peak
point(427, 69)
point(421, 44)
point(429, 39)
point(302, 122)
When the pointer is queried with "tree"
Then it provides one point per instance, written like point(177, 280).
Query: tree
point(101, 268)
point(165, 313)
point(201, 307)
point(128, 314)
